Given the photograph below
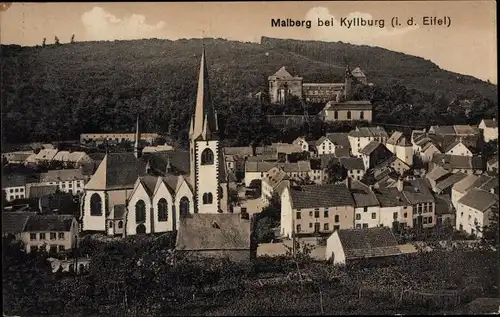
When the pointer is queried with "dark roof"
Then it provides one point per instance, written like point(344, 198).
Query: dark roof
point(368, 242)
point(327, 158)
point(49, 223)
point(14, 222)
point(97, 156)
point(390, 197)
point(363, 195)
point(444, 130)
point(339, 138)
point(13, 180)
point(450, 180)
point(198, 232)
point(479, 199)
point(149, 183)
point(444, 205)
point(40, 191)
point(179, 161)
point(490, 123)
point(370, 147)
point(342, 151)
point(315, 164)
point(451, 162)
point(122, 169)
point(312, 196)
point(417, 191)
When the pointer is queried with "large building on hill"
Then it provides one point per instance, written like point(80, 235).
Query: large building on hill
point(131, 194)
point(282, 85)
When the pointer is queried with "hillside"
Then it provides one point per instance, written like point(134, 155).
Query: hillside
point(59, 91)
point(383, 66)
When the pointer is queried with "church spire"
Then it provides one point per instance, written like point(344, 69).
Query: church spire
point(203, 123)
point(137, 137)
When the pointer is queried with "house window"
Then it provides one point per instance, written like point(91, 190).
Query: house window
point(298, 228)
point(140, 211)
point(326, 227)
point(374, 215)
point(95, 205)
point(310, 213)
point(358, 226)
point(316, 214)
point(298, 215)
point(358, 216)
point(430, 220)
point(53, 248)
point(316, 227)
point(325, 214)
point(348, 115)
point(207, 198)
point(365, 225)
point(42, 236)
point(70, 185)
point(425, 220)
point(62, 248)
point(361, 115)
point(32, 236)
point(52, 236)
point(162, 210)
point(207, 157)
point(335, 115)
point(111, 224)
point(395, 216)
point(365, 209)
point(337, 218)
point(60, 235)
point(336, 227)
point(120, 224)
point(405, 215)
point(310, 225)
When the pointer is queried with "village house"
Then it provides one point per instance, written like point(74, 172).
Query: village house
point(396, 164)
point(117, 137)
point(423, 146)
point(422, 201)
point(366, 205)
point(394, 207)
point(72, 159)
point(13, 222)
point(51, 233)
point(489, 127)
point(274, 183)
point(354, 166)
point(44, 156)
point(17, 157)
point(14, 186)
point(67, 180)
point(444, 185)
point(157, 148)
point(333, 143)
point(399, 146)
point(256, 171)
point(457, 148)
point(374, 153)
point(458, 163)
point(35, 190)
point(445, 212)
point(300, 170)
point(347, 110)
point(345, 246)
point(216, 236)
point(436, 174)
point(302, 142)
point(484, 182)
point(360, 137)
point(316, 209)
point(474, 211)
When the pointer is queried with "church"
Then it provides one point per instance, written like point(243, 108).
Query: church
point(132, 194)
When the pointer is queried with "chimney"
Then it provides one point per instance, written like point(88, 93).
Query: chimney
point(400, 184)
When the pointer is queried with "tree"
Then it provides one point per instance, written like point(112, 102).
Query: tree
point(56, 40)
point(72, 39)
point(491, 231)
point(336, 172)
point(43, 42)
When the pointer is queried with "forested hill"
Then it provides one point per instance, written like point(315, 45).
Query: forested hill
point(59, 91)
point(384, 67)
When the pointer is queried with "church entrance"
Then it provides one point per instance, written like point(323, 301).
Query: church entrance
point(141, 229)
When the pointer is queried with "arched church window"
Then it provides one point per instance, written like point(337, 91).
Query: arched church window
point(207, 157)
point(207, 198)
point(362, 115)
point(95, 205)
point(335, 115)
point(120, 224)
point(348, 115)
point(140, 211)
point(184, 206)
point(162, 210)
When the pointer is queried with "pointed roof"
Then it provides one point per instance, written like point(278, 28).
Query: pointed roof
point(117, 171)
point(357, 72)
point(203, 123)
point(282, 73)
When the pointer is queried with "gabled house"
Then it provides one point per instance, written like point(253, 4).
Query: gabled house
point(333, 143)
point(474, 211)
point(445, 212)
point(444, 185)
point(354, 166)
point(360, 137)
point(422, 201)
point(458, 163)
point(14, 186)
point(67, 180)
point(457, 148)
point(275, 181)
point(316, 209)
point(302, 142)
point(374, 153)
point(437, 173)
point(394, 207)
point(489, 127)
point(462, 187)
point(216, 236)
point(13, 222)
point(366, 206)
point(396, 164)
point(257, 170)
point(51, 233)
point(344, 246)
point(400, 147)
point(427, 151)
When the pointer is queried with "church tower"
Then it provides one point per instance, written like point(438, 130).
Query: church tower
point(204, 148)
point(348, 84)
point(137, 138)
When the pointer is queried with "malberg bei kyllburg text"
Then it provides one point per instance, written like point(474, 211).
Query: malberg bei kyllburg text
point(362, 22)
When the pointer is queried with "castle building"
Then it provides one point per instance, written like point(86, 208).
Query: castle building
point(282, 85)
point(133, 193)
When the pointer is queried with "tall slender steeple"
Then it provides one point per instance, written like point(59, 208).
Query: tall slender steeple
point(137, 138)
point(203, 123)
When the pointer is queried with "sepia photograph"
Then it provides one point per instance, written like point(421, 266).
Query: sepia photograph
point(249, 158)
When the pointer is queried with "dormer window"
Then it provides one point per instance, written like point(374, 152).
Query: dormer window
point(207, 157)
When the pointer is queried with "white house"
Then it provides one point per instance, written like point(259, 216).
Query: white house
point(428, 151)
point(474, 211)
point(275, 181)
point(457, 148)
point(366, 206)
point(14, 186)
point(484, 182)
point(301, 141)
point(67, 180)
point(256, 170)
point(489, 128)
point(359, 138)
point(394, 207)
point(355, 244)
point(399, 145)
point(333, 143)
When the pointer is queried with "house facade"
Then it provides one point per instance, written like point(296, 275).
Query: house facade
point(458, 148)
point(474, 211)
point(489, 127)
point(360, 137)
point(50, 233)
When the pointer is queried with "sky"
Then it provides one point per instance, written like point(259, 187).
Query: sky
point(468, 46)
